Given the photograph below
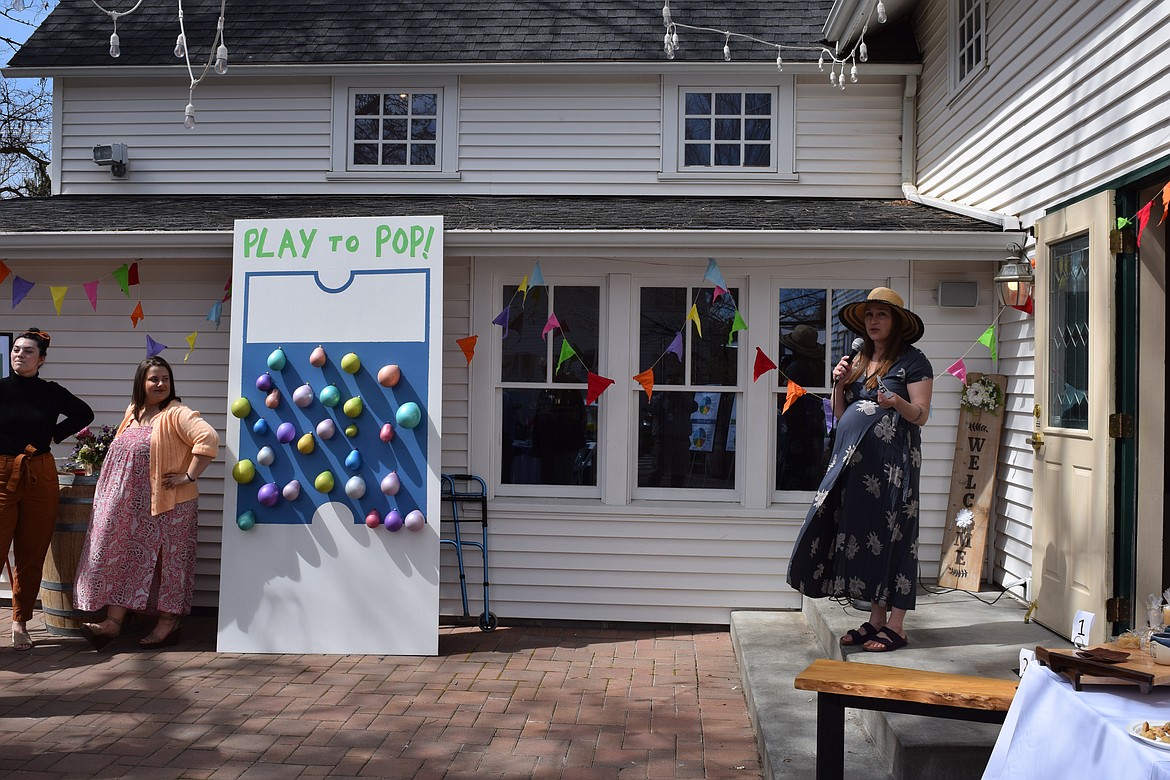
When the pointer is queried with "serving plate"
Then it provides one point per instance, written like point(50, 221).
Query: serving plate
point(1135, 731)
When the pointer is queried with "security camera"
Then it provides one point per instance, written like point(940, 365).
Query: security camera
point(113, 155)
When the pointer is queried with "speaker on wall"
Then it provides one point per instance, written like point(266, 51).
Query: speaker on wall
point(962, 294)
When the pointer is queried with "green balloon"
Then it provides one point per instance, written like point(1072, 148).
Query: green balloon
point(246, 521)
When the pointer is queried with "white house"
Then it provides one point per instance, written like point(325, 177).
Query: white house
point(559, 134)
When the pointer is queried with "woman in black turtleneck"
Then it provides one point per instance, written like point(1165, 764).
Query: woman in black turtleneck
point(31, 409)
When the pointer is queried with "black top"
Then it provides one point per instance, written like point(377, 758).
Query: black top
point(29, 410)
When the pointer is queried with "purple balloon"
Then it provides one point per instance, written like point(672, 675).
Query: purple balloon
point(268, 494)
point(394, 520)
point(286, 433)
point(264, 382)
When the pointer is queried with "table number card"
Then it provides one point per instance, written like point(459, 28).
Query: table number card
point(1082, 626)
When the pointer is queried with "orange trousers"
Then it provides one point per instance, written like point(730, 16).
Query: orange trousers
point(28, 512)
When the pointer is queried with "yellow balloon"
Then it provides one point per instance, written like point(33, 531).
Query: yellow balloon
point(306, 444)
point(244, 472)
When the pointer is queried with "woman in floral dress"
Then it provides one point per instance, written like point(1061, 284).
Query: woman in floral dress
point(860, 538)
point(139, 553)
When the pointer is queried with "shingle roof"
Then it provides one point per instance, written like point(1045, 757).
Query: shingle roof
point(269, 32)
point(89, 213)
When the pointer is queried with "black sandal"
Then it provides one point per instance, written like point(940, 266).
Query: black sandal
point(889, 639)
point(96, 637)
point(856, 635)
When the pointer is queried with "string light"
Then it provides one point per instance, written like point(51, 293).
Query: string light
point(189, 114)
point(859, 51)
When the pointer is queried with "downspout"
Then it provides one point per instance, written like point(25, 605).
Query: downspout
point(1006, 222)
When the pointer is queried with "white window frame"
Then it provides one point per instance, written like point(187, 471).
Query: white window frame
point(740, 390)
point(446, 148)
point(974, 14)
point(497, 485)
point(783, 128)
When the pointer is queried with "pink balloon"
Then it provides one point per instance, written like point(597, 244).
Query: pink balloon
point(373, 519)
point(414, 520)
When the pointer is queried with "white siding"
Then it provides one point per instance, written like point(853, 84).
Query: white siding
point(522, 134)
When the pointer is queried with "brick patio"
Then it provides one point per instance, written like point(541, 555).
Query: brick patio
point(519, 702)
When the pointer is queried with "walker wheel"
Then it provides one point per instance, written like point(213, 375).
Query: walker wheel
point(488, 621)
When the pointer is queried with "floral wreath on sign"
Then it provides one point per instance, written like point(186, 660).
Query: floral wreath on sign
point(982, 393)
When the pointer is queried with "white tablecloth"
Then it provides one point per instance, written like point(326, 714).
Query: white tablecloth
point(1054, 731)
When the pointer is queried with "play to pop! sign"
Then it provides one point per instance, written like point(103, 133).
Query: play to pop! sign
point(331, 507)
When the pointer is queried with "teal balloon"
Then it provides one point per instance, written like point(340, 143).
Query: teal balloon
point(408, 415)
point(246, 521)
point(353, 461)
point(260, 427)
point(329, 396)
point(277, 360)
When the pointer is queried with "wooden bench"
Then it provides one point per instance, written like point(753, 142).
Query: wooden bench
point(863, 686)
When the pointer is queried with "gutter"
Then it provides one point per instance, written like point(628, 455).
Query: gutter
point(1005, 221)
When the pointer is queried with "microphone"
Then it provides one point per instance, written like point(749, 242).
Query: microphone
point(855, 348)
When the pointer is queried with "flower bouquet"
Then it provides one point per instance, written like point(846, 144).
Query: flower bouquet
point(89, 452)
point(982, 393)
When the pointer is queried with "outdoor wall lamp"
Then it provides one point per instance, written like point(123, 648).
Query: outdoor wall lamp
point(112, 155)
point(1015, 279)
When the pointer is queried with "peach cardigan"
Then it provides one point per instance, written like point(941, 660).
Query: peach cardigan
point(176, 433)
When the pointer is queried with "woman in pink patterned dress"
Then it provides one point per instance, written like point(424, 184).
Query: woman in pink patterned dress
point(139, 553)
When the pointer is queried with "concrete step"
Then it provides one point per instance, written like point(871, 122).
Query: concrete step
point(950, 631)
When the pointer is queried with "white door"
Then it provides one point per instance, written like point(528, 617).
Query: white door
point(1072, 513)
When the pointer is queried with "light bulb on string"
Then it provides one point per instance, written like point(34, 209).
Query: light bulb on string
point(881, 12)
point(115, 46)
point(189, 117)
point(821, 61)
point(181, 46)
point(853, 74)
point(666, 13)
point(833, 76)
point(727, 48)
point(779, 62)
point(863, 52)
point(674, 39)
point(221, 60)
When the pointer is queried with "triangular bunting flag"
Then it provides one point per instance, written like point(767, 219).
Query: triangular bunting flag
point(567, 352)
point(20, 288)
point(122, 277)
point(646, 380)
point(4, 271)
point(676, 346)
point(524, 286)
point(1165, 207)
point(537, 276)
point(467, 344)
point(1143, 217)
point(763, 365)
point(137, 316)
point(958, 370)
point(713, 274)
point(502, 319)
point(216, 313)
point(153, 347)
point(827, 405)
point(718, 291)
point(227, 290)
point(1027, 307)
point(190, 344)
point(693, 316)
point(988, 340)
point(597, 385)
point(794, 391)
point(553, 322)
point(58, 294)
point(91, 293)
point(737, 324)
point(132, 274)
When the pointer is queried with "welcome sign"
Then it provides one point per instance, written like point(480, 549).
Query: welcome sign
point(332, 506)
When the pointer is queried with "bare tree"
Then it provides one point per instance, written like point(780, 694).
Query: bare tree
point(26, 109)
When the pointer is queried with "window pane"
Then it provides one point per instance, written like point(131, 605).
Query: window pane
point(425, 104)
point(394, 129)
point(714, 362)
point(801, 442)
point(727, 103)
point(757, 103)
point(757, 155)
point(549, 438)
point(577, 309)
point(365, 129)
point(662, 312)
point(422, 154)
point(365, 154)
point(698, 129)
point(698, 103)
point(757, 129)
point(727, 154)
point(395, 105)
point(524, 353)
point(697, 154)
point(686, 439)
point(727, 129)
point(1068, 348)
point(422, 129)
point(394, 154)
point(803, 319)
point(365, 104)
point(841, 343)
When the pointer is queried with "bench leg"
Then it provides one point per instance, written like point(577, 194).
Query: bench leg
point(830, 737)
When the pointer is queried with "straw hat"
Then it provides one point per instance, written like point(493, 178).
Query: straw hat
point(803, 341)
point(853, 315)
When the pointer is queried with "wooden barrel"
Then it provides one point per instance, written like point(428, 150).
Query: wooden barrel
point(76, 502)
